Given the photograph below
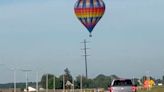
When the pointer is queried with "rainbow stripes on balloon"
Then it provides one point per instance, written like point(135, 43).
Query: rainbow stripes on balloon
point(89, 12)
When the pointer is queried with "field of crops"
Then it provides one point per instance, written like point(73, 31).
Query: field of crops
point(155, 89)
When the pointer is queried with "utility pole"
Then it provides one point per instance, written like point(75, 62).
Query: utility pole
point(14, 73)
point(63, 82)
point(85, 55)
point(81, 83)
point(37, 85)
point(47, 82)
point(26, 71)
point(14, 80)
point(54, 86)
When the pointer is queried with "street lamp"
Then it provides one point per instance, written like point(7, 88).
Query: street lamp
point(37, 75)
point(81, 83)
point(54, 84)
point(47, 82)
point(26, 71)
point(63, 82)
point(14, 73)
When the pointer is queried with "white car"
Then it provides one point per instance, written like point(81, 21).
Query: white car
point(160, 84)
point(122, 85)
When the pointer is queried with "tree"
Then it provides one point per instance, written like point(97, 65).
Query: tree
point(103, 81)
point(50, 81)
point(163, 79)
point(86, 82)
point(143, 79)
point(58, 81)
point(100, 81)
point(136, 81)
point(67, 77)
point(77, 82)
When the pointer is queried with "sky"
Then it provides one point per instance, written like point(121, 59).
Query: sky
point(45, 36)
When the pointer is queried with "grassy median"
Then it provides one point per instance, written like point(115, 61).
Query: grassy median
point(154, 89)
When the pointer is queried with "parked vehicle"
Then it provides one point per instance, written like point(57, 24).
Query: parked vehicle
point(122, 85)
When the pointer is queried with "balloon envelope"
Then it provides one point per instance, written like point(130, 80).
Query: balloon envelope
point(89, 12)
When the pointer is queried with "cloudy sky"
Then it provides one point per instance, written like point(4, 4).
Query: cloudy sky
point(45, 36)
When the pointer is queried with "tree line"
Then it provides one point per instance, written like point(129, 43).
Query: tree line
point(101, 81)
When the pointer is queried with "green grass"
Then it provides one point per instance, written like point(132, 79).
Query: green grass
point(154, 89)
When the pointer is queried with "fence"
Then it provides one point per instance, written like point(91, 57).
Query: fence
point(57, 90)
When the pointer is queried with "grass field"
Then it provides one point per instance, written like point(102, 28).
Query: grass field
point(155, 89)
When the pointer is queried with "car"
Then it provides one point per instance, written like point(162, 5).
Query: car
point(160, 84)
point(122, 85)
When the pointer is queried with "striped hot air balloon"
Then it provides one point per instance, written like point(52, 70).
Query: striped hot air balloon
point(89, 12)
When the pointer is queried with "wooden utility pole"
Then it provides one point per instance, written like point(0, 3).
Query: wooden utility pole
point(85, 56)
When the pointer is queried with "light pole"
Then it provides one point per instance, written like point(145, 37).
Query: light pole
point(14, 71)
point(54, 84)
point(26, 71)
point(73, 85)
point(47, 82)
point(14, 74)
point(63, 82)
point(37, 75)
point(81, 83)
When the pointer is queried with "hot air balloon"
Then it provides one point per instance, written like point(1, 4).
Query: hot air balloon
point(89, 12)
